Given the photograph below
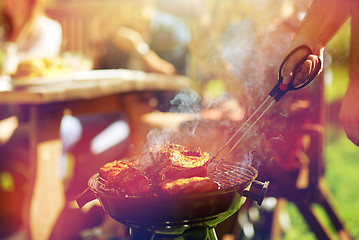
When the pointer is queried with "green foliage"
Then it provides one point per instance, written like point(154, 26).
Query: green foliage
point(336, 87)
point(214, 89)
point(338, 47)
point(299, 229)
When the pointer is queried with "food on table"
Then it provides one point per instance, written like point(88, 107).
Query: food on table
point(29, 68)
point(39, 67)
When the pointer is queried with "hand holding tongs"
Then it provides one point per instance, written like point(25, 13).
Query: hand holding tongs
point(279, 90)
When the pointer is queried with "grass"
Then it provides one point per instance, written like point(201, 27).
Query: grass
point(342, 158)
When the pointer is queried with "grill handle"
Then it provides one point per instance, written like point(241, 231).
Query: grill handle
point(257, 191)
point(86, 196)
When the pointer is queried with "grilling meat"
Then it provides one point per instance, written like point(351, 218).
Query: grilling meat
point(123, 176)
point(175, 170)
point(189, 186)
point(173, 161)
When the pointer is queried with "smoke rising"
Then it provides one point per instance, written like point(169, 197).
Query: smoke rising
point(247, 58)
point(186, 101)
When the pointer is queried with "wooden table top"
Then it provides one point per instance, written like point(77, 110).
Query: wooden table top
point(86, 85)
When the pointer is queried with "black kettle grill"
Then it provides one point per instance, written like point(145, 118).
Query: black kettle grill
point(192, 216)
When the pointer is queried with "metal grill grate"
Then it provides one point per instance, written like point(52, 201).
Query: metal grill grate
point(229, 175)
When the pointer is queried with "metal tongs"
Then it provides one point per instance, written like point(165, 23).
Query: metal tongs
point(278, 91)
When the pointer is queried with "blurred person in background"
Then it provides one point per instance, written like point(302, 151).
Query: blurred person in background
point(323, 19)
point(142, 38)
point(26, 33)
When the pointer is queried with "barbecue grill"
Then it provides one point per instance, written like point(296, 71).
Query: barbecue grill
point(192, 216)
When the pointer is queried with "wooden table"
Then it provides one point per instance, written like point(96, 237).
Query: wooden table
point(41, 104)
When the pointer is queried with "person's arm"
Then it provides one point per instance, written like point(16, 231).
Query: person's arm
point(322, 21)
point(130, 41)
point(349, 111)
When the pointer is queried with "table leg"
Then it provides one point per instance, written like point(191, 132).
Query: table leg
point(46, 198)
point(135, 106)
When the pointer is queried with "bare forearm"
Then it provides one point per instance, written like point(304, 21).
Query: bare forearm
point(127, 39)
point(322, 21)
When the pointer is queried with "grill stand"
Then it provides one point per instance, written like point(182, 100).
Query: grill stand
point(314, 190)
point(304, 199)
point(195, 233)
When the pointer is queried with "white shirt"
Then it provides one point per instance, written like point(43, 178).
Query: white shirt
point(44, 41)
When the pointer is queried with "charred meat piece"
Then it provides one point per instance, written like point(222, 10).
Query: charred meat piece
point(174, 169)
point(189, 186)
point(124, 177)
point(173, 161)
